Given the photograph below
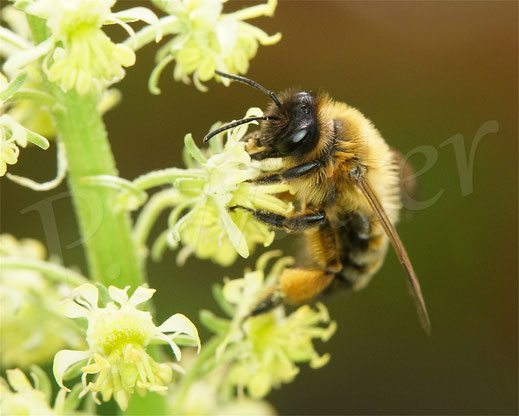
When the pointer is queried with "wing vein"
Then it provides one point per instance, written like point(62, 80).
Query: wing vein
point(400, 250)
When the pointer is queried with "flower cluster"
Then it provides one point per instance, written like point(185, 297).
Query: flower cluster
point(32, 330)
point(109, 340)
point(265, 348)
point(20, 397)
point(205, 398)
point(203, 194)
point(30, 113)
point(117, 336)
point(207, 39)
point(272, 345)
point(78, 54)
point(12, 134)
point(32, 108)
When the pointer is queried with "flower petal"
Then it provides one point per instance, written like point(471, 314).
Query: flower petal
point(174, 347)
point(71, 309)
point(180, 323)
point(18, 381)
point(178, 368)
point(21, 59)
point(141, 13)
point(119, 295)
point(227, 34)
point(141, 294)
point(88, 292)
point(63, 360)
point(236, 237)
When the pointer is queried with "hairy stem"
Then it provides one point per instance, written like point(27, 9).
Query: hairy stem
point(105, 231)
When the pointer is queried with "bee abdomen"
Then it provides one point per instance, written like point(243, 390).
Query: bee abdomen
point(362, 249)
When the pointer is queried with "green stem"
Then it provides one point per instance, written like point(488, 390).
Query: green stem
point(106, 232)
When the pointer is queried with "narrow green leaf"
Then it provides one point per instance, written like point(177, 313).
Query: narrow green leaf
point(42, 381)
point(221, 301)
point(193, 149)
point(73, 399)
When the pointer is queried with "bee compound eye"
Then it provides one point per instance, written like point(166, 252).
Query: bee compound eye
point(300, 135)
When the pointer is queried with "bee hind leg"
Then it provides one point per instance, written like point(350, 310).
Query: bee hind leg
point(299, 285)
point(302, 284)
point(296, 285)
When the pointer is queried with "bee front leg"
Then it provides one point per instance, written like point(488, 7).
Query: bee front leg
point(295, 222)
point(251, 139)
point(289, 174)
point(253, 146)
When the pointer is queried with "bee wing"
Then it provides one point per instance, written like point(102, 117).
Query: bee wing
point(409, 190)
point(400, 250)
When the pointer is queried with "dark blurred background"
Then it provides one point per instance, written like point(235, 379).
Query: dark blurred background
point(424, 73)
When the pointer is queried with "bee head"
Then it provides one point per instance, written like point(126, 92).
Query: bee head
point(289, 127)
point(292, 128)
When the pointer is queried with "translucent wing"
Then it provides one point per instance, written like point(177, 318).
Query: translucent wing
point(401, 253)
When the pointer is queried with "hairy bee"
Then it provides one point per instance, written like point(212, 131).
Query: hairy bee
point(346, 180)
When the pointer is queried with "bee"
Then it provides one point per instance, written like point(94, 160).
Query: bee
point(347, 183)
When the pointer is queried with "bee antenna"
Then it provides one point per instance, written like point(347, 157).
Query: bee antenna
point(251, 83)
point(237, 123)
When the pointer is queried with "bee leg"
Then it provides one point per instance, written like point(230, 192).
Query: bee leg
point(289, 174)
point(302, 284)
point(251, 138)
point(299, 285)
point(295, 222)
point(267, 304)
point(252, 144)
point(296, 285)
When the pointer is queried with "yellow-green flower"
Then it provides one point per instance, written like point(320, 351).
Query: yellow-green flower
point(266, 348)
point(117, 336)
point(33, 113)
point(13, 135)
point(202, 195)
point(208, 39)
point(274, 342)
point(204, 396)
point(19, 397)
point(78, 54)
point(32, 330)
point(9, 152)
point(91, 60)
